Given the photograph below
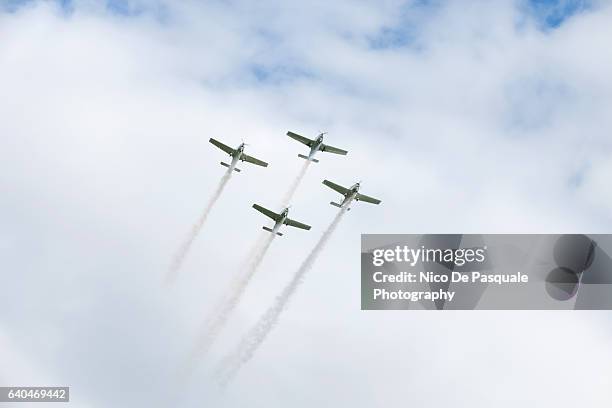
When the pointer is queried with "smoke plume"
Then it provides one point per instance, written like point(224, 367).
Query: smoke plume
point(258, 333)
point(222, 313)
point(181, 254)
point(295, 184)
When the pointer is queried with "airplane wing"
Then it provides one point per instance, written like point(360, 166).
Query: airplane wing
point(308, 142)
point(367, 199)
point(266, 212)
point(336, 187)
point(296, 224)
point(332, 149)
point(253, 160)
point(221, 146)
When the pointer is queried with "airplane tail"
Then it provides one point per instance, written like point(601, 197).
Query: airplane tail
point(227, 165)
point(270, 230)
point(306, 158)
point(339, 205)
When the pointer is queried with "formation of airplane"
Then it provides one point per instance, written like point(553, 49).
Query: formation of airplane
point(349, 194)
point(316, 145)
point(279, 220)
point(237, 154)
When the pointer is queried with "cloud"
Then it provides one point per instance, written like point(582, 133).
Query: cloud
point(462, 117)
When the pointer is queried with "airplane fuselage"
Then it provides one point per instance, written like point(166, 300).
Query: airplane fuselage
point(315, 147)
point(350, 196)
point(236, 156)
point(281, 221)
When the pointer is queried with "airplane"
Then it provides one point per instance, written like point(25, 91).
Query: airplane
point(237, 154)
point(279, 220)
point(315, 146)
point(349, 194)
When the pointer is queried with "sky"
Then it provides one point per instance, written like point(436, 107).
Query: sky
point(463, 117)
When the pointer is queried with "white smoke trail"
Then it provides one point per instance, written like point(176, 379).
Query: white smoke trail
point(222, 313)
point(258, 333)
point(195, 230)
point(219, 318)
point(295, 184)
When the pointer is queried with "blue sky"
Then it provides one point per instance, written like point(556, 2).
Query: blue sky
point(550, 13)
